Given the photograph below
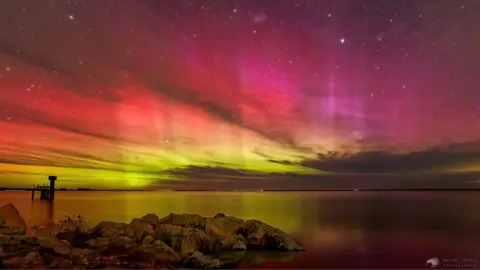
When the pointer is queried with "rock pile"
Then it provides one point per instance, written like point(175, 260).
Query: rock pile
point(175, 241)
point(11, 223)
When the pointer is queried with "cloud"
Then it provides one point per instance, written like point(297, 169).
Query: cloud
point(205, 171)
point(451, 156)
point(211, 178)
point(71, 79)
point(220, 179)
point(221, 111)
point(26, 115)
point(34, 59)
point(256, 151)
point(284, 162)
point(104, 68)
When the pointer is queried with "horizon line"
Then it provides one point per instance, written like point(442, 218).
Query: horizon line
point(250, 190)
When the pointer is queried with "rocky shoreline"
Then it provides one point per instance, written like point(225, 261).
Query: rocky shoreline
point(177, 241)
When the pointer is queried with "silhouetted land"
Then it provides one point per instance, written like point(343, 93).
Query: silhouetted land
point(254, 190)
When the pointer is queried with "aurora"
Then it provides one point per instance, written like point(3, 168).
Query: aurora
point(128, 94)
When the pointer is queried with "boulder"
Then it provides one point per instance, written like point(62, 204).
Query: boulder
point(111, 229)
point(11, 223)
point(187, 240)
point(14, 245)
point(123, 241)
point(13, 262)
point(12, 231)
point(106, 246)
point(141, 259)
point(112, 261)
point(152, 256)
point(163, 253)
point(237, 244)
point(111, 246)
point(141, 229)
point(68, 236)
point(33, 260)
point(3, 220)
point(4, 240)
point(184, 220)
point(61, 247)
point(81, 255)
point(225, 229)
point(227, 223)
point(114, 250)
point(11, 217)
point(59, 263)
point(261, 236)
point(99, 242)
point(151, 219)
point(148, 240)
point(220, 215)
point(76, 238)
point(206, 243)
point(179, 238)
point(199, 261)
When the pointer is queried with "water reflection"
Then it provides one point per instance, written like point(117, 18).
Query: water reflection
point(254, 258)
point(354, 228)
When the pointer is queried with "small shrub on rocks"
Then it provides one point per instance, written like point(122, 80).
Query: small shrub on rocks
point(73, 223)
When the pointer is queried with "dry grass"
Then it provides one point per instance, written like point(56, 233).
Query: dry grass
point(72, 223)
point(67, 223)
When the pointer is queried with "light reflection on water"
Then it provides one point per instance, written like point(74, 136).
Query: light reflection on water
point(339, 229)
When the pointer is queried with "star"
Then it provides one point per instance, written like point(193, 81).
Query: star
point(270, 72)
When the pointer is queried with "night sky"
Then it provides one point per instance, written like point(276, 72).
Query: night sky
point(238, 93)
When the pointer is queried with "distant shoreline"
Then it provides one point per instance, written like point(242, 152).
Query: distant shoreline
point(277, 190)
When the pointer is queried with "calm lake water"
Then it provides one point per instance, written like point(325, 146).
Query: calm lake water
point(338, 229)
